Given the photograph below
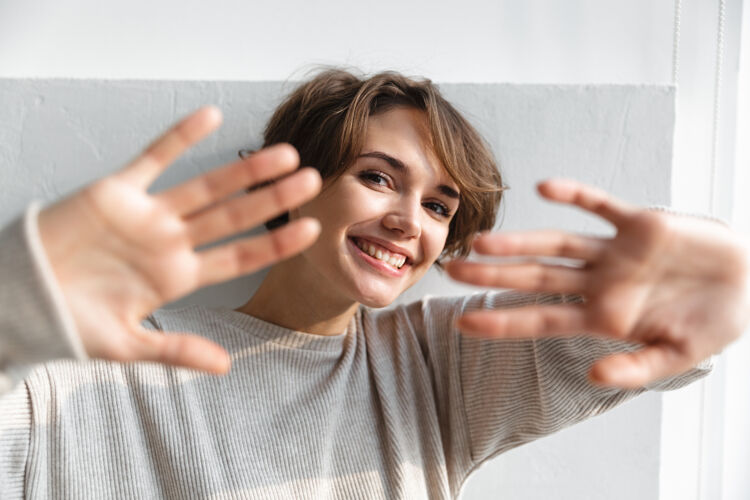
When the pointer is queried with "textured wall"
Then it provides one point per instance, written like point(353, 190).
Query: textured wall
point(56, 135)
point(550, 41)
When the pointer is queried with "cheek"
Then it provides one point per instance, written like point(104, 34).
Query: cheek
point(435, 242)
point(343, 203)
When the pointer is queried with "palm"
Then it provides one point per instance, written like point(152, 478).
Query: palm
point(119, 252)
point(676, 285)
point(152, 250)
point(623, 284)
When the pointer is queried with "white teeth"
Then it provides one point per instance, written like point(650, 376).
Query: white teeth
point(394, 260)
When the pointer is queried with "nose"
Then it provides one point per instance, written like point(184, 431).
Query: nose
point(404, 219)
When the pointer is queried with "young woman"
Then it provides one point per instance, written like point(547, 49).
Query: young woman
point(328, 396)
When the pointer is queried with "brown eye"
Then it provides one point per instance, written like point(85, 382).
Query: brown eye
point(438, 208)
point(374, 177)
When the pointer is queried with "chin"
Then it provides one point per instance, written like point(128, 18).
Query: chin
point(376, 304)
point(375, 300)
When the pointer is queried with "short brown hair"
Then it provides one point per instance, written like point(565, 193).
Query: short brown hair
point(326, 117)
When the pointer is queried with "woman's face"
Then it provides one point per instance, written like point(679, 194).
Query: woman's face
point(385, 220)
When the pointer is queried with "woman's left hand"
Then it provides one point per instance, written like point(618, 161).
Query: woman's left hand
point(677, 285)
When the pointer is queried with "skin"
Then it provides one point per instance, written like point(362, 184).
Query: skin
point(319, 290)
point(676, 285)
point(679, 286)
point(118, 252)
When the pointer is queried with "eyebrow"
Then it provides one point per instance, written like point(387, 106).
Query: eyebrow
point(400, 166)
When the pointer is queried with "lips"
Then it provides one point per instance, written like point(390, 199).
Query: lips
point(377, 250)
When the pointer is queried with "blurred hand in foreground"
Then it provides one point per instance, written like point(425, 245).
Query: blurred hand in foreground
point(677, 285)
point(119, 252)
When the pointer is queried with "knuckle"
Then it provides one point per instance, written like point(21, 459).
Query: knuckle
point(568, 245)
point(233, 216)
point(598, 205)
point(152, 155)
point(245, 172)
point(580, 198)
point(654, 223)
point(283, 194)
point(549, 322)
point(547, 279)
point(544, 279)
point(244, 256)
point(210, 188)
point(609, 319)
point(172, 349)
point(181, 134)
point(278, 242)
point(537, 273)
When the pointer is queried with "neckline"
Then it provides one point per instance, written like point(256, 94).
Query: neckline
point(287, 337)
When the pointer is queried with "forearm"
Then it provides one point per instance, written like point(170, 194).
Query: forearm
point(35, 325)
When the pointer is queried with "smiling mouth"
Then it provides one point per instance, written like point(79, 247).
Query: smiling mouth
point(394, 260)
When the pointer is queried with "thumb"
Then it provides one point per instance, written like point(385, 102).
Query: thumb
point(637, 369)
point(182, 349)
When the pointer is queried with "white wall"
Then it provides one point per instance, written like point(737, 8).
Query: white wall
point(535, 41)
point(704, 428)
point(57, 135)
point(735, 480)
point(583, 41)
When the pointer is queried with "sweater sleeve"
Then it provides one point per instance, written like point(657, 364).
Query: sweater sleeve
point(515, 391)
point(35, 326)
point(15, 437)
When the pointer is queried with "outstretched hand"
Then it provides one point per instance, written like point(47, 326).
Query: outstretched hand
point(677, 285)
point(119, 252)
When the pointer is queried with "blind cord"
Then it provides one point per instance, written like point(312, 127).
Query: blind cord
point(713, 172)
point(676, 42)
point(717, 105)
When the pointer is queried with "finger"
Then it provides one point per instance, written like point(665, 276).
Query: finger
point(216, 185)
point(525, 322)
point(539, 243)
point(186, 350)
point(252, 209)
point(637, 369)
point(161, 153)
point(246, 256)
point(588, 198)
point(529, 276)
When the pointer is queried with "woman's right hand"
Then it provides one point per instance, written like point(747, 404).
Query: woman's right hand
point(118, 252)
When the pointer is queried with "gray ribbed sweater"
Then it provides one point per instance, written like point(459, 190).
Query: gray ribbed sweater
point(399, 406)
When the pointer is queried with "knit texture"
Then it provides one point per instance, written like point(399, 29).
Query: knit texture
point(399, 406)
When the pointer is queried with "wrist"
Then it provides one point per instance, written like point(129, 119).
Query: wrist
point(61, 311)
